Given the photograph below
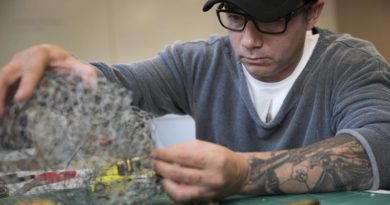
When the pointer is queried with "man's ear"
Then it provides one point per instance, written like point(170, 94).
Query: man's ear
point(313, 14)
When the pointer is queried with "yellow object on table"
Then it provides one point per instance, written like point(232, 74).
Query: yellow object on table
point(36, 202)
point(113, 181)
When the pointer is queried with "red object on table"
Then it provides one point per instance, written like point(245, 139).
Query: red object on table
point(53, 177)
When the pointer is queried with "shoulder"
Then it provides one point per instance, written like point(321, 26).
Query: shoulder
point(345, 54)
point(200, 51)
point(214, 42)
point(347, 47)
point(342, 60)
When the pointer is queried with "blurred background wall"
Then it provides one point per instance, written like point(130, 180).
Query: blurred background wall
point(114, 31)
point(367, 19)
point(121, 31)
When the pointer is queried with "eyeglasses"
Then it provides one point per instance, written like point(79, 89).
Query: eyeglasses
point(236, 21)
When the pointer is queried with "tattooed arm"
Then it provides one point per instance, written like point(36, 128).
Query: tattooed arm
point(203, 171)
point(336, 164)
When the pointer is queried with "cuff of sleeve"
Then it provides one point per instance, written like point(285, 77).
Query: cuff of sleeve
point(103, 71)
point(370, 153)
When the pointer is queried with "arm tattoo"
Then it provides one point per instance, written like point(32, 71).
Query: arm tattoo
point(336, 164)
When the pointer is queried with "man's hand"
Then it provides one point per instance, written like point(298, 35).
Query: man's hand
point(29, 65)
point(200, 171)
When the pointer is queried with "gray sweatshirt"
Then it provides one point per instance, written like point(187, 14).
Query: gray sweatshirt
point(344, 89)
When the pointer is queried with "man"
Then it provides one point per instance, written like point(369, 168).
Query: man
point(280, 105)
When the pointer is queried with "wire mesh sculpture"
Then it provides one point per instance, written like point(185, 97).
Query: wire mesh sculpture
point(68, 126)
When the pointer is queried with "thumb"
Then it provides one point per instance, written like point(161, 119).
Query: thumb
point(87, 72)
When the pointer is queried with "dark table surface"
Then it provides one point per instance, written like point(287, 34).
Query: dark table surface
point(77, 197)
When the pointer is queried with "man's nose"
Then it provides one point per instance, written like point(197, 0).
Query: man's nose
point(252, 37)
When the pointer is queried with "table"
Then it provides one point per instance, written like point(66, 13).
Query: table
point(336, 198)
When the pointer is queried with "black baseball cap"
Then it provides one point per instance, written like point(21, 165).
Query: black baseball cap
point(262, 10)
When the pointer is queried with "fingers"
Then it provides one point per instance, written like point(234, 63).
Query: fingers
point(30, 77)
point(207, 177)
point(34, 60)
point(3, 93)
point(181, 154)
point(87, 72)
point(180, 192)
point(178, 173)
point(186, 184)
point(7, 79)
point(183, 193)
point(182, 184)
point(186, 176)
point(200, 170)
point(29, 66)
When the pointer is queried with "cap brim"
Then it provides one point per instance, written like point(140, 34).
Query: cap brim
point(209, 4)
point(263, 10)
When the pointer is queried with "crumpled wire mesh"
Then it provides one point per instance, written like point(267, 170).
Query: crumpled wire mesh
point(69, 126)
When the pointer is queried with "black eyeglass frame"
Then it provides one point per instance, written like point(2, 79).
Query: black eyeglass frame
point(247, 18)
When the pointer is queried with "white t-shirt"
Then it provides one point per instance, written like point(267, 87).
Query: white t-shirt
point(268, 97)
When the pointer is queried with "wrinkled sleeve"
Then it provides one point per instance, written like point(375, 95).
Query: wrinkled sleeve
point(159, 84)
point(362, 109)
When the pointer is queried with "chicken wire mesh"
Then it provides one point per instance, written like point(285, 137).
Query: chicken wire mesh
point(70, 137)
